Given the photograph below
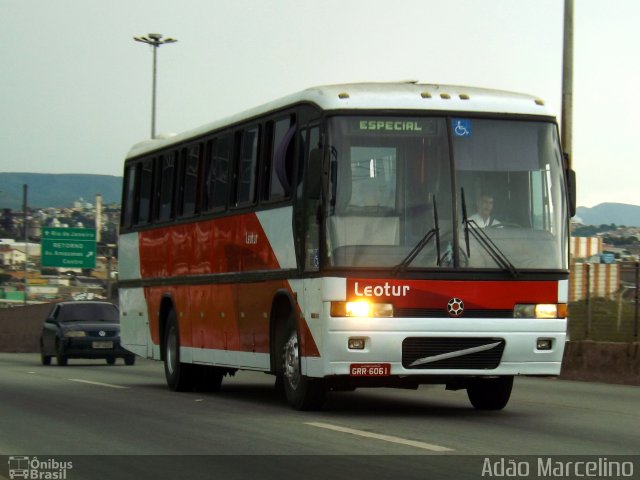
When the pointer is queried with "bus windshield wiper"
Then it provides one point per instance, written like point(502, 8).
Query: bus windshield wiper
point(497, 255)
point(434, 232)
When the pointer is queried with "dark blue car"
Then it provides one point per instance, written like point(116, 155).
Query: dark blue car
point(83, 330)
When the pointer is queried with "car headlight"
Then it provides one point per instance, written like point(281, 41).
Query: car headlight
point(361, 308)
point(540, 310)
point(75, 333)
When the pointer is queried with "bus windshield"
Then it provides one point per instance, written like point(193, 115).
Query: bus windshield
point(445, 192)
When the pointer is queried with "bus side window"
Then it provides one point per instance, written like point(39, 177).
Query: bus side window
point(144, 190)
point(189, 184)
point(209, 177)
point(216, 174)
point(280, 160)
point(313, 198)
point(246, 167)
point(128, 195)
point(314, 185)
point(167, 182)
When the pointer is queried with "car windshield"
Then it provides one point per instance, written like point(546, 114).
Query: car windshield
point(83, 312)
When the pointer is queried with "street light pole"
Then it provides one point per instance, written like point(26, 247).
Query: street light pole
point(155, 40)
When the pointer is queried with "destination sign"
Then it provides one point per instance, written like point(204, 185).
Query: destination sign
point(421, 126)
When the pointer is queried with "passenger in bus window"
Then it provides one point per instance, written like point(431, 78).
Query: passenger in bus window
point(484, 208)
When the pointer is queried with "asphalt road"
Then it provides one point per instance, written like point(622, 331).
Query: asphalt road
point(89, 408)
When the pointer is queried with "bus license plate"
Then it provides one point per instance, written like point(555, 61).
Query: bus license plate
point(98, 345)
point(370, 369)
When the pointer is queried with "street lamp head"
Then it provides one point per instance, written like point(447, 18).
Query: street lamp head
point(154, 39)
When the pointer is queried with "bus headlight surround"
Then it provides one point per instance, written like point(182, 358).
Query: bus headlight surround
point(540, 310)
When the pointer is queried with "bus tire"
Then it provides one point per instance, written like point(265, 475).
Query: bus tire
point(490, 393)
point(302, 392)
point(178, 375)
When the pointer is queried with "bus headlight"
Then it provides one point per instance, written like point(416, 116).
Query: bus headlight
point(361, 308)
point(540, 310)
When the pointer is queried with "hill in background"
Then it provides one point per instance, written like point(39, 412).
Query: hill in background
point(608, 213)
point(57, 190)
point(61, 190)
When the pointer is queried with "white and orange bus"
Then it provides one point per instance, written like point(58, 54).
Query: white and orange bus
point(362, 235)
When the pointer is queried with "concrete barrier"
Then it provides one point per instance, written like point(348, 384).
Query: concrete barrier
point(20, 329)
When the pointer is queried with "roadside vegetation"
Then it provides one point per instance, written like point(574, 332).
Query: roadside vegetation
point(603, 320)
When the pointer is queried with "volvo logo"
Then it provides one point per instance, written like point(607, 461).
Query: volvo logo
point(102, 333)
point(455, 307)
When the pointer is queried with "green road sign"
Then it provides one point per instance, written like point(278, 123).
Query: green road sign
point(69, 247)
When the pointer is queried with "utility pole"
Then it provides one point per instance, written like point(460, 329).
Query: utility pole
point(567, 80)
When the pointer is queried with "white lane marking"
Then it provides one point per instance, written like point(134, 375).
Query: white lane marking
point(378, 436)
point(96, 383)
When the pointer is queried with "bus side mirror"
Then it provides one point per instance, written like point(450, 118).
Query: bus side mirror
point(571, 190)
point(571, 184)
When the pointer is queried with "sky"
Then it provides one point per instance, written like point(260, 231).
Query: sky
point(75, 88)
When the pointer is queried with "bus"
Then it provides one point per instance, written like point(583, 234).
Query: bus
point(332, 239)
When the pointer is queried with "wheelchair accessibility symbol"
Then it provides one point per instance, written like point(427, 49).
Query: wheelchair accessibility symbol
point(461, 127)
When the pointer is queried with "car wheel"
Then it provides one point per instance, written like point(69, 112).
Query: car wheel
point(111, 360)
point(179, 375)
point(129, 360)
point(302, 392)
point(490, 393)
point(61, 358)
point(46, 359)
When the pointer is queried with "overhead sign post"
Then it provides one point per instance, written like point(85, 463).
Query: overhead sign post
point(69, 247)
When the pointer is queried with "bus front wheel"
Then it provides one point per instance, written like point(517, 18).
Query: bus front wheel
point(302, 392)
point(490, 393)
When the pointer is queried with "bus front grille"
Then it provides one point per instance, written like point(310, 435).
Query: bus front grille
point(452, 353)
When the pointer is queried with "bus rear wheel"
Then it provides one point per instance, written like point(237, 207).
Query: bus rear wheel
point(178, 375)
point(302, 392)
point(490, 393)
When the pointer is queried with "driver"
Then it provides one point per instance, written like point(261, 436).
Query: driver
point(484, 209)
